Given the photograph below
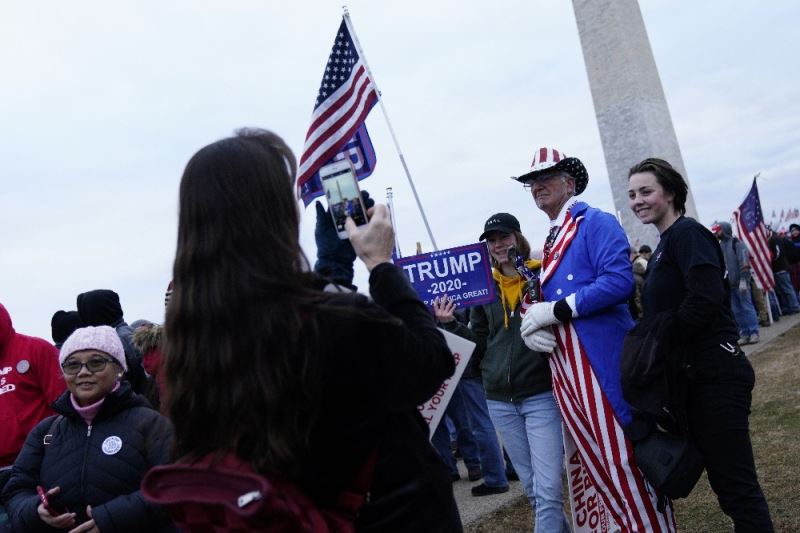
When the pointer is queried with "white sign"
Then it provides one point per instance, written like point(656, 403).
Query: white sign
point(433, 410)
point(589, 513)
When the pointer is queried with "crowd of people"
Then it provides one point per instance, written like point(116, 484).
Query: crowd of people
point(268, 369)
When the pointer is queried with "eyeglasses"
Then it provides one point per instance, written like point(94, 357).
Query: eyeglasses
point(96, 364)
point(528, 185)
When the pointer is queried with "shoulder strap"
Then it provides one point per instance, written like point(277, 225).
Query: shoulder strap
point(48, 437)
point(357, 493)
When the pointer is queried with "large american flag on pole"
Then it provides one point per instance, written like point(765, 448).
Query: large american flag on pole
point(751, 229)
point(346, 95)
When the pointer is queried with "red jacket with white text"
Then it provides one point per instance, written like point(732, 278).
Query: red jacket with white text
point(30, 380)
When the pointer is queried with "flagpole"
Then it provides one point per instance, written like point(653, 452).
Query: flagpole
point(390, 202)
point(388, 123)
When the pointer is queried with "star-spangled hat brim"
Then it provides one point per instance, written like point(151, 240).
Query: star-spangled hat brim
point(571, 165)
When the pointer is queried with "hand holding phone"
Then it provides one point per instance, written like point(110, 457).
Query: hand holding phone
point(373, 242)
point(50, 501)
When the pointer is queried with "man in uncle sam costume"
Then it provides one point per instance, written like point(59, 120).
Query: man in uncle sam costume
point(586, 280)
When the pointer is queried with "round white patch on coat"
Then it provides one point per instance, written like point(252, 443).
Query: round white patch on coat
point(112, 445)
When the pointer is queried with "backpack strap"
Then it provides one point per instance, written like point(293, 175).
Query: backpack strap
point(48, 437)
point(357, 494)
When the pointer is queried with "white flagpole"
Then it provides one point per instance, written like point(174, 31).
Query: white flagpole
point(390, 202)
point(388, 123)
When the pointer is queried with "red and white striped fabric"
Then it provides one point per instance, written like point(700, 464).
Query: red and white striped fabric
point(606, 453)
point(750, 226)
point(345, 97)
point(545, 158)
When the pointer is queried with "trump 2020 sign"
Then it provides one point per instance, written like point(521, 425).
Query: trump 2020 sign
point(464, 274)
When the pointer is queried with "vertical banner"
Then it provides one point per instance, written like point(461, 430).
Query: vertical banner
point(433, 410)
point(589, 513)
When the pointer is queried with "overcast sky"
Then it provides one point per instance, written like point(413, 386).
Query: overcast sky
point(103, 103)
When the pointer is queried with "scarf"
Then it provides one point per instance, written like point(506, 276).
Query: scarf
point(512, 288)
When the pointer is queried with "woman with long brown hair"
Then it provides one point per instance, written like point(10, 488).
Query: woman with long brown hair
point(299, 383)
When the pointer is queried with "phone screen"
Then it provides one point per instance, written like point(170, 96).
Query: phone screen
point(344, 198)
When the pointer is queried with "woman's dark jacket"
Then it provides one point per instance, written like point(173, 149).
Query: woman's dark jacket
point(511, 371)
point(382, 359)
point(84, 461)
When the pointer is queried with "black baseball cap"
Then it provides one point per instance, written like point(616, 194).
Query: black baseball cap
point(503, 222)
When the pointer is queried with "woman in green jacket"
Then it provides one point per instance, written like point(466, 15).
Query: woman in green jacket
point(517, 380)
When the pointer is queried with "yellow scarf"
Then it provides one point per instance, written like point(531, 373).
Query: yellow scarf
point(511, 288)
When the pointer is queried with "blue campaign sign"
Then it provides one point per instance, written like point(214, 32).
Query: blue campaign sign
point(463, 273)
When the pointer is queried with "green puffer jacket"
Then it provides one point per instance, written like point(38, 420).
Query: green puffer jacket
point(511, 371)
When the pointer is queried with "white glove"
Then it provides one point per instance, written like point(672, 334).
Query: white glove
point(541, 340)
point(743, 285)
point(538, 316)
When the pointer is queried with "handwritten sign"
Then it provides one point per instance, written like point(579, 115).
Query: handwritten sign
point(464, 274)
point(433, 410)
point(589, 513)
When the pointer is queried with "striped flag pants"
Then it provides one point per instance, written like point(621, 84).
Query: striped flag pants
point(602, 446)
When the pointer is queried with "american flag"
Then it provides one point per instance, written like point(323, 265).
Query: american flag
point(346, 95)
point(751, 229)
point(361, 153)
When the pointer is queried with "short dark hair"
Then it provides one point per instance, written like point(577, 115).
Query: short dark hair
point(644, 249)
point(670, 180)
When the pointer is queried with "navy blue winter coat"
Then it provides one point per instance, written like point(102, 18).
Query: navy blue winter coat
point(101, 465)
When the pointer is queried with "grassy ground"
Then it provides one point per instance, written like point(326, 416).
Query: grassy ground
point(775, 432)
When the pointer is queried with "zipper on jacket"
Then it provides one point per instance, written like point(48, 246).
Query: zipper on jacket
point(83, 466)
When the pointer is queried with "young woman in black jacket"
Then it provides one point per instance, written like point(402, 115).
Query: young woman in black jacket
point(686, 277)
point(298, 383)
point(91, 457)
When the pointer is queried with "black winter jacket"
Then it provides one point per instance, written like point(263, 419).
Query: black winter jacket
point(100, 465)
point(376, 373)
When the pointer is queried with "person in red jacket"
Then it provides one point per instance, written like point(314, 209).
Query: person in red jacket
point(30, 380)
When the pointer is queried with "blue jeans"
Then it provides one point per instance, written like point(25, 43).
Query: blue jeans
point(744, 312)
point(467, 445)
point(492, 464)
point(786, 293)
point(531, 433)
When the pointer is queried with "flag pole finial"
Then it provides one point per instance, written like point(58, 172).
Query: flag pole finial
point(344, 9)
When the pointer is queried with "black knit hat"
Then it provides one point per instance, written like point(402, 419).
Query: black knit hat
point(503, 222)
point(100, 307)
point(63, 324)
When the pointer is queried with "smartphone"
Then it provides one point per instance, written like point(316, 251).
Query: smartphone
point(53, 506)
point(344, 197)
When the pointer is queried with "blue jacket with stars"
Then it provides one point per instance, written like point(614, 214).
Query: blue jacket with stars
point(596, 267)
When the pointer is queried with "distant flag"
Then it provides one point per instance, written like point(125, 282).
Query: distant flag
point(346, 95)
point(751, 229)
point(781, 219)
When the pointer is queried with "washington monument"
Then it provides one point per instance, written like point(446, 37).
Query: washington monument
point(629, 102)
